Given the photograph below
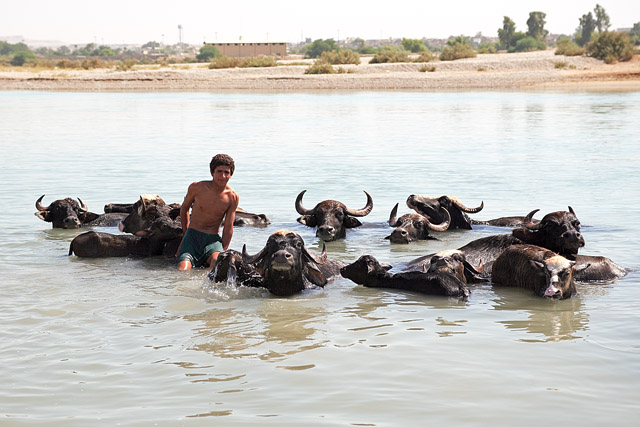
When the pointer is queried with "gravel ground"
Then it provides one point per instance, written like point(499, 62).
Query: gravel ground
point(487, 71)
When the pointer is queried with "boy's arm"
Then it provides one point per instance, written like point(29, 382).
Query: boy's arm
point(230, 216)
point(186, 205)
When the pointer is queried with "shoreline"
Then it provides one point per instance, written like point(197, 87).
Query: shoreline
point(526, 70)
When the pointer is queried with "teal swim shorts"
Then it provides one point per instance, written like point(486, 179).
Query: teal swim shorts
point(197, 247)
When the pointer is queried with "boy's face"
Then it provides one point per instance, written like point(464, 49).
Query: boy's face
point(221, 174)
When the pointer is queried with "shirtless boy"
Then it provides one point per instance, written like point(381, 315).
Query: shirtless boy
point(209, 202)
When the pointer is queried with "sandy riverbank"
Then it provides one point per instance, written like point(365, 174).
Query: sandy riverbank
point(487, 71)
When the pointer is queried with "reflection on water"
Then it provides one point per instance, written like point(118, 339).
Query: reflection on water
point(549, 319)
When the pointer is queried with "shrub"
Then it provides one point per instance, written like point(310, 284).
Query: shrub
point(413, 45)
point(427, 68)
point(611, 47)
point(91, 63)
point(259, 61)
point(568, 48)
point(387, 56)
point(425, 57)
point(224, 62)
point(315, 49)
point(528, 44)
point(126, 64)
point(560, 64)
point(344, 56)
point(457, 51)
point(320, 67)
point(20, 58)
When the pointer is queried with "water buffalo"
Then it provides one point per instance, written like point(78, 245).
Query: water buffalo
point(331, 218)
point(531, 267)
point(413, 226)
point(144, 211)
point(434, 209)
point(509, 221)
point(145, 243)
point(287, 267)
point(67, 213)
point(230, 267)
point(367, 271)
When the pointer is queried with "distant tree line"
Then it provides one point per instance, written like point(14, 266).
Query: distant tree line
point(591, 37)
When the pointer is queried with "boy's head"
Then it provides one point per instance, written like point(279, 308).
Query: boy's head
point(222, 160)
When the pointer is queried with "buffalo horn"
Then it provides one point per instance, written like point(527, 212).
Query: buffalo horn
point(250, 259)
point(463, 208)
point(364, 211)
point(39, 206)
point(571, 210)
point(301, 210)
point(442, 226)
point(530, 215)
point(83, 207)
point(393, 222)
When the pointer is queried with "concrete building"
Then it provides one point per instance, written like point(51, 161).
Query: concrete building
point(242, 50)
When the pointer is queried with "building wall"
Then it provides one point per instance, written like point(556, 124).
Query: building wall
point(250, 49)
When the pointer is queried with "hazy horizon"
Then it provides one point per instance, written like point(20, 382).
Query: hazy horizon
point(124, 22)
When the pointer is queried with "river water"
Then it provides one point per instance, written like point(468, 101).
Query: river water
point(132, 341)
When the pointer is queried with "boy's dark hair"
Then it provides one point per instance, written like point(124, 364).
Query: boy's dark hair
point(222, 160)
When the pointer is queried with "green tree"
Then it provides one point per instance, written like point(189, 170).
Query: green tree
point(602, 19)
point(62, 51)
point(103, 51)
point(414, 45)
point(635, 33)
point(585, 29)
point(207, 53)
point(535, 23)
point(151, 45)
point(21, 57)
point(315, 49)
point(507, 32)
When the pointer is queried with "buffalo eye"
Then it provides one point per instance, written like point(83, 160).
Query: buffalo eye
point(576, 224)
point(339, 214)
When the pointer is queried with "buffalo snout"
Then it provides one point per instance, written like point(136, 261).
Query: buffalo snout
point(282, 260)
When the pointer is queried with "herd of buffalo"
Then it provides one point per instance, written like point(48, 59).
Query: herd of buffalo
point(538, 255)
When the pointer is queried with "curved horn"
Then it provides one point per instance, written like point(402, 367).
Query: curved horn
point(442, 226)
point(463, 208)
point(364, 211)
point(39, 206)
point(251, 259)
point(319, 259)
point(82, 205)
point(529, 216)
point(571, 210)
point(393, 222)
point(299, 208)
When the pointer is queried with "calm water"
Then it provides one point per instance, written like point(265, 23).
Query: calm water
point(134, 342)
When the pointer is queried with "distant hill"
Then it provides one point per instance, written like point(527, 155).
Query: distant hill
point(32, 43)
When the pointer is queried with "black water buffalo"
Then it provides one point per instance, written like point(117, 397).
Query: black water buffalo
point(531, 267)
point(287, 267)
point(145, 243)
point(230, 267)
point(248, 219)
point(67, 213)
point(367, 271)
point(331, 218)
point(434, 209)
point(509, 221)
point(413, 226)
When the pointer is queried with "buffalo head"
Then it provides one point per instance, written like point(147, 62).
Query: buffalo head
point(285, 264)
point(434, 208)
point(143, 212)
point(65, 213)
point(453, 261)
point(557, 231)
point(413, 226)
point(331, 218)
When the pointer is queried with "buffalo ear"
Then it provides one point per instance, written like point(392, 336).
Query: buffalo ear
point(351, 222)
point(87, 217)
point(537, 265)
point(43, 215)
point(308, 220)
point(522, 233)
point(313, 275)
point(582, 267)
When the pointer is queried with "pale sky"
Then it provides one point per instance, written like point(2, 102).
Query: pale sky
point(140, 21)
